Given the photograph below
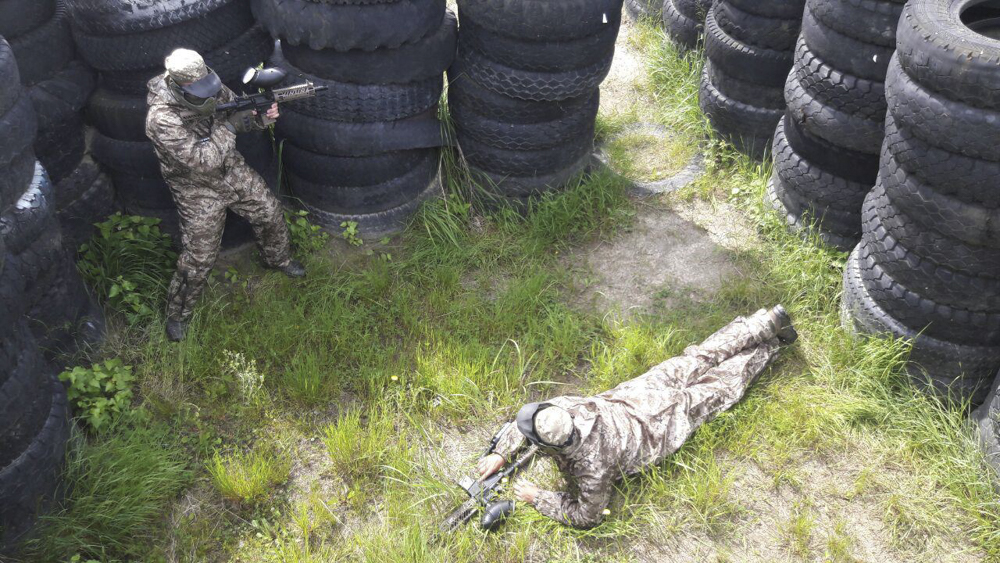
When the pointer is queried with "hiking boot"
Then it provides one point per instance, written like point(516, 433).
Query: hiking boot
point(176, 330)
point(784, 330)
point(294, 269)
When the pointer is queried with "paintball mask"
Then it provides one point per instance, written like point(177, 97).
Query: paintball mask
point(199, 96)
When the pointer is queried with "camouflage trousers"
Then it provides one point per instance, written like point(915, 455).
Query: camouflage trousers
point(202, 208)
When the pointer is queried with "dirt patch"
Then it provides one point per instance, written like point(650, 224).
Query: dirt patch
point(662, 259)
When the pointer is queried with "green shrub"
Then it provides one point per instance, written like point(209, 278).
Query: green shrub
point(305, 237)
point(128, 263)
point(101, 392)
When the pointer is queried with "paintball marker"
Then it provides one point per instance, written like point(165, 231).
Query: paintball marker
point(263, 79)
point(483, 495)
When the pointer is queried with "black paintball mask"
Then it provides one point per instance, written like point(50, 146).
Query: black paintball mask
point(526, 424)
point(201, 95)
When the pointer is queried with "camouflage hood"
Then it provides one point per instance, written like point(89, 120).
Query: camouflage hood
point(160, 94)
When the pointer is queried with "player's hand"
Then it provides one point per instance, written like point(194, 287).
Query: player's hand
point(273, 112)
point(489, 465)
point(526, 492)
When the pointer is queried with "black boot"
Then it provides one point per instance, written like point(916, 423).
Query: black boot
point(176, 330)
point(786, 333)
point(294, 269)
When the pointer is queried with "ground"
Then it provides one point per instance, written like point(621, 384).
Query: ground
point(328, 419)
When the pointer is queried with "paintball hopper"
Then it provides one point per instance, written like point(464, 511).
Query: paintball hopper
point(263, 77)
point(496, 513)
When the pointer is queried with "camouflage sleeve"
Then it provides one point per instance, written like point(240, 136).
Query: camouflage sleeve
point(200, 155)
point(586, 511)
point(510, 440)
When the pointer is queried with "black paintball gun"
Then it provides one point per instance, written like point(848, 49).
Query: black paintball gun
point(265, 80)
point(483, 494)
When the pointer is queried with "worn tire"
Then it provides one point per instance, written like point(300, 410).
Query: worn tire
point(343, 27)
point(868, 21)
point(858, 97)
point(780, 9)
point(525, 136)
point(762, 31)
point(748, 128)
point(352, 170)
point(18, 17)
point(83, 198)
point(525, 163)
point(121, 116)
point(758, 65)
point(939, 366)
point(43, 52)
point(839, 127)
point(685, 32)
point(462, 89)
point(540, 55)
point(137, 158)
point(519, 187)
point(940, 51)
point(552, 20)
point(361, 139)
point(534, 85)
point(10, 77)
point(427, 57)
point(845, 53)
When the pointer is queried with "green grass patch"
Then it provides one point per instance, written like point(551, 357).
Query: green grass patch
point(248, 477)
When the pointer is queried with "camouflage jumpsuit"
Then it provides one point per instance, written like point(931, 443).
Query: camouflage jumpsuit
point(206, 176)
point(642, 421)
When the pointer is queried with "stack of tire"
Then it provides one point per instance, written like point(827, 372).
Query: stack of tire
point(644, 9)
point(684, 21)
point(524, 90)
point(826, 149)
point(987, 422)
point(40, 275)
point(749, 46)
point(35, 289)
point(928, 265)
point(367, 149)
point(127, 41)
point(39, 34)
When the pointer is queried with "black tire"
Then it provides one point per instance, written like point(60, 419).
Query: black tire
point(532, 85)
point(229, 61)
point(525, 163)
point(366, 198)
point(19, 127)
point(429, 56)
point(839, 127)
point(743, 61)
point(805, 227)
point(121, 17)
point(952, 126)
point(83, 198)
point(137, 158)
point(10, 78)
point(543, 55)
point(526, 136)
point(363, 103)
point(844, 223)
point(844, 92)
point(18, 17)
point(781, 9)
point(139, 192)
point(748, 128)
point(352, 171)
point(137, 51)
point(463, 90)
point(30, 480)
point(644, 9)
point(918, 311)
point(864, 60)
point(987, 423)
point(797, 173)
point(761, 31)
point(361, 139)
point(970, 180)
point(939, 366)
point(120, 116)
point(346, 27)
point(508, 186)
point(25, 397)
point(768, 97)
point(22, 224)
point(968, 290)
point(939, 50)
point(553, 20)
point(693, 9)
point(913, 233)
point(16, 176)
point(378, 224)
point(61, 147)
point(683, 31)
point(851, 165)
point(972, 224)
point(64, 94)
point(868, 21)
point(43, 52)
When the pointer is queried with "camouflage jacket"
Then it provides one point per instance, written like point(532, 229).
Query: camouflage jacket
point(642, 421)
point(199, 154)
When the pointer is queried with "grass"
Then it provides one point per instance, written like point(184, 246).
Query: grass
point(248, 477)
point(382, 380)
